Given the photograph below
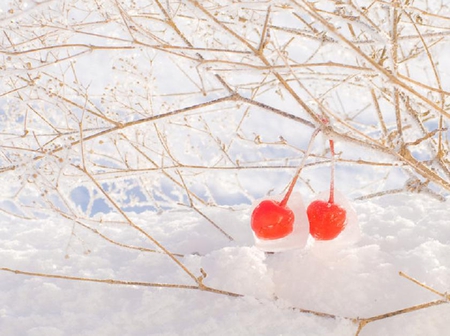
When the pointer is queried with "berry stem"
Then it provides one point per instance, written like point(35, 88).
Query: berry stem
point(300, 168)
point(331, 200)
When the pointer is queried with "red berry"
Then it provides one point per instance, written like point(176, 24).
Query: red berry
point(270, 220)
point(326, 220)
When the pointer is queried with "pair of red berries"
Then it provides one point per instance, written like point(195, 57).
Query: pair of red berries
point(274, 220)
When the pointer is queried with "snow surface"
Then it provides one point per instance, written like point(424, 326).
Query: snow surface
point(399, 233)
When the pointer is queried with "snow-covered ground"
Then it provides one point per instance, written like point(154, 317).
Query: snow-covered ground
point(407, 233)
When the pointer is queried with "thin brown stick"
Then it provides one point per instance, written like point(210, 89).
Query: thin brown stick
point(121, 282)
point(395, 18)
point(138, 228)
point(112, 241)
point(417, 282)
point(192, 206)
point(379, 114)
point(363, 322)
point(263, 41)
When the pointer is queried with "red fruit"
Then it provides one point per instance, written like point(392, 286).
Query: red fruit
point(271, 220)
point(326, 220)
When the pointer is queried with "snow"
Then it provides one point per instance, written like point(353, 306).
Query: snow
point(399, 233)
